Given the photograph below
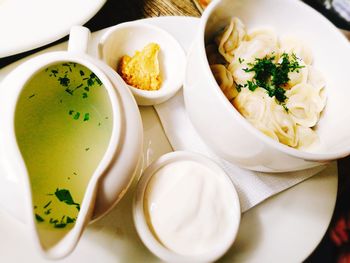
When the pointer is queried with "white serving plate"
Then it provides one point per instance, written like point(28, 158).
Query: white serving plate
point(284, 228)
point(29, 24)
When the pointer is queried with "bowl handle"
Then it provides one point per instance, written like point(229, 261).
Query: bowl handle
point(79, 37)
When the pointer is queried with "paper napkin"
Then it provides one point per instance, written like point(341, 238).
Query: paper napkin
point(252, 187)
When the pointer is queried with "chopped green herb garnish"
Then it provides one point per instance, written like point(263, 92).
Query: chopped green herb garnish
point(64, 81)
point(90, 82)
point(71, 112)
point(39, 218)
point(52, 221)
point(240, 60)
point(86, 149)
point(81, 73)
point(54, 72)
point(92, 79)
point(47, 212)
point(67, 65)
point(70, 220)
point(92, 75)
point(75, 173)
point(68, 90)
point(47, 204)
point(78, 87)
point(239, 87)
point(31, 96)
point(252, 85)
point(99, 82)
point(86, 116)
point(60, 225)
point(87, 88)
point(85, 95)
point(76, 116)
point(279, 94)
point(272, 76)
point(64, 196)
point(285, 107)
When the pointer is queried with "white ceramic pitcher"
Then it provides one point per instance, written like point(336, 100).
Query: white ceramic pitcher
point(113, 174)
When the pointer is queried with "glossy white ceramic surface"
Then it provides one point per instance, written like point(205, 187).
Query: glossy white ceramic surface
point(27, 25)
point(13, 162)
point(145, 232)
point(221, 125)
point(273, 231)
point(127, 38)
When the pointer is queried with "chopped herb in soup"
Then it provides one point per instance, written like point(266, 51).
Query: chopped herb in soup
point(62, 132)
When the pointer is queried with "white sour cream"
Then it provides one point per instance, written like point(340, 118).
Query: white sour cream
point(190, 208)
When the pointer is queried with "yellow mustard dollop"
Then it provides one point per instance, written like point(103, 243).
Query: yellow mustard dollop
point(142, 70)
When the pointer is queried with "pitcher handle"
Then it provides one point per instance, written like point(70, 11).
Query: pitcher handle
point(79, 37)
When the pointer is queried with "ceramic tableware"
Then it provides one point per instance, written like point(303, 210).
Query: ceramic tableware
point(223, 128)
point(119, 157)
point(127, 38)
point(45, 22)
point(146, 230)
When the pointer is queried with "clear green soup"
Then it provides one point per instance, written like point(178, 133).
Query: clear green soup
point(63, 124)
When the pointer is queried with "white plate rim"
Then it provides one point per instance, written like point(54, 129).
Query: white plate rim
point(27, 16)
point(175, 25)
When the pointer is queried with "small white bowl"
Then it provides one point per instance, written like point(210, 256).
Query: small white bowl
point(226, 131)
point(144, 230)
point(127, 38)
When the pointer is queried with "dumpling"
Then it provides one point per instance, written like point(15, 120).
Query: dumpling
point(213, 55)
point(289, 121)
point(303, 54)
point(239, 75)
point(259, 44)
point(291, 45)
point(315, 78)
point(305, 104)
point(252, 104)
point(282, 124)
point(307, 138)
point(297, 76)
point(265, 34)
point(225, 81)
point(231, 38)
point(266, 115)
point(265, 129)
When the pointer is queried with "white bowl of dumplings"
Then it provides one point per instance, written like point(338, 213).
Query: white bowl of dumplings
point(250, 127)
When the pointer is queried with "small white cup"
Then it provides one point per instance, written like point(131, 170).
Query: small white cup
point(127, 38)
point(144, 230)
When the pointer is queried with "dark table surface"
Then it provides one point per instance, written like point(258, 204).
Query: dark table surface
point(335, 246)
